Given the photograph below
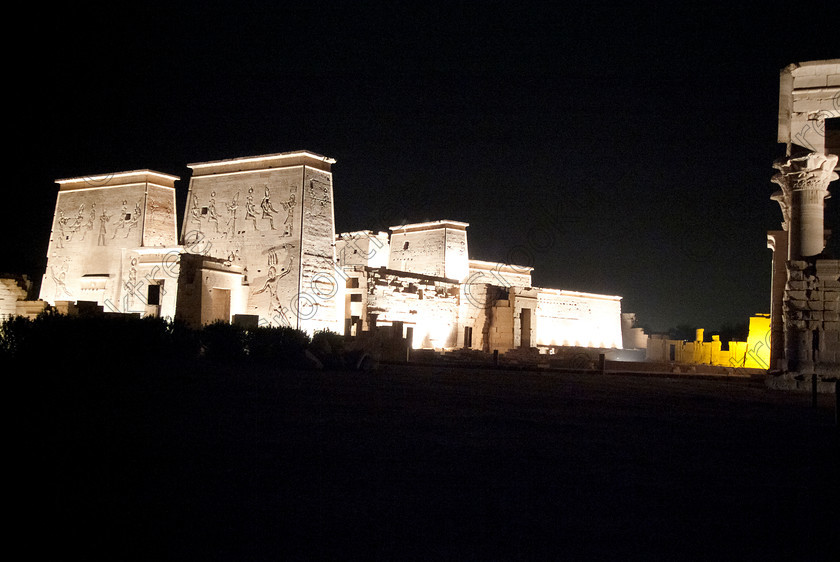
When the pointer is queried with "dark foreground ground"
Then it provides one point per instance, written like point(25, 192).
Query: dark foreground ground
point(420, 464)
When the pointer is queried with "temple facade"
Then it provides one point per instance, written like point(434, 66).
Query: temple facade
point(805, 295)
point(258, 247)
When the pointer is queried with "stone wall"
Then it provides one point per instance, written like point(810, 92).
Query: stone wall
point(479, 308)
point(506, 318)
point(271, 216)
point(98, 222)
point(149, 283)
point(758, 351)
point(752, 354)
point(578, 319)
point(633, 337)
point(362, 248)
point(317, 301)
point(426, 306)
point(807, 97)
point(500, 274)
point(13, 289)
point(437, 248)
point(209, 290)
point(812, 314)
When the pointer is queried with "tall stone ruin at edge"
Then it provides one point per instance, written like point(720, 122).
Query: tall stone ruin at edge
point(805, 296)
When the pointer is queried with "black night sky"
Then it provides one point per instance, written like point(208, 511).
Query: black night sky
point(619, 150)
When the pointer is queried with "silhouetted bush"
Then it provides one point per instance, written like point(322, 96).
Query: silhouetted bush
point(98, 343)
point(328, 347)
point(119, 343)
point(14, 336)
point(281, 345)
point(223, 342)
point(183, 342)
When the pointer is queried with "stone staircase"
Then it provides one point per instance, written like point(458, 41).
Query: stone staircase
point(14, 290)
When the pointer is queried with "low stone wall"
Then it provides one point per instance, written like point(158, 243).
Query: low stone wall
point(803, 383)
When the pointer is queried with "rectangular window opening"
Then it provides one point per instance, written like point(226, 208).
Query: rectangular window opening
point(153, 295)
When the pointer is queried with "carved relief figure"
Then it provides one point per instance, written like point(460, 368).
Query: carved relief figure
point(290, 213)
point(230, 225)
point(250, 209)
point(135, 218)
point(195, 212)
point(121, 222)
point(59, 280)
point(91, 221)
point(211, 211)
point(267, 209)
point(234, 253)
point(103, 218)
point(319, 194)
point(272, 282)
point(77, 223)
point(61, 223)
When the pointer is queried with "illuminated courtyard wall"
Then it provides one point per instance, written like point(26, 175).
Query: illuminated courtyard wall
point(479, 305)
point(753, 353)
point(499, 274)
point(426, 306)
point(439, 313)
point(578, 319)
point(758, 345)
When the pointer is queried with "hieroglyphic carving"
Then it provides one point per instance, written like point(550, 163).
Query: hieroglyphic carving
point(562, 308)
point(268, 209)
point(159, 222)
point(131, 285)
point(319, 193)
point(195, 212)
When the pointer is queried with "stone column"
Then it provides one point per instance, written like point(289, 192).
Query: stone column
point(804, 188)
point(804, 181)
point(777, 241)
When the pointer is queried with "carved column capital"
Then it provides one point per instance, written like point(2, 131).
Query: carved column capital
point(814, 171)
point(804, 187)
